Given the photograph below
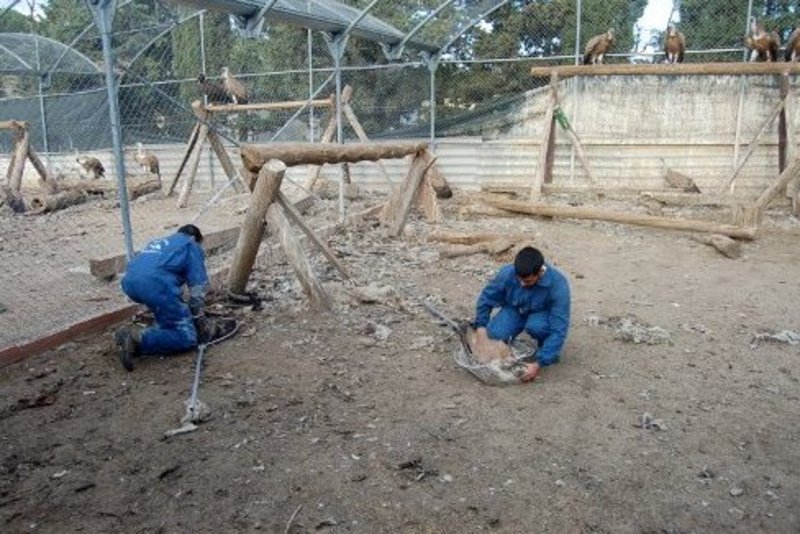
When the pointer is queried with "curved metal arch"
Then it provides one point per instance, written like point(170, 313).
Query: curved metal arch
point(17, 57)
point(468, 27)
point(66, 50)
point(397, 50)
point(359, 18)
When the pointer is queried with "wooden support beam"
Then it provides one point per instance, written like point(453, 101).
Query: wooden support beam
point(46, 181)
point(327, 137)
point(225, 160)
point(730, 182)
point(194, 162)
point(297, 258)
point(266, 106)
point(576, 142)
point(460, 238)
point(110, 266)
point(571, 212)
point(664, 69)
point(782, 124)
point(17, 165)
point(350, 115)
point(397, 208)
point(13, 125)
point(189, 150)
point(436, 178)
point(254, 156)
point(268, 184)
point(544, 165)
point(428, 200)
point(792, 172)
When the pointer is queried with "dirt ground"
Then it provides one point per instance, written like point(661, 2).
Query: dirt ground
point(359, 421)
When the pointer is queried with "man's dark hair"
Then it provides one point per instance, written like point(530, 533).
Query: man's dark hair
point(528, 261)
point(191, 230)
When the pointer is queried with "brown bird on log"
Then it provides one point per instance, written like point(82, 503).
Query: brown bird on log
point(147, 160)
point(215, 92)
point(93, 167)
point(235, 89)
point(793, 46)
point(763, 45)
point(597, 47)
point(674, 45)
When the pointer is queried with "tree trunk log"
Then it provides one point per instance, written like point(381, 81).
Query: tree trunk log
point(456, 238)
point(17, 166)
point(225, 160)
point(428, 201)
point(730, 248)
point(396, 211)
point(189, 151)
point(297, 258)
point(267, 187)
point(485, 247)
point(436, 178)
point(737, 232)
point(544, 166)
point(194, 162)
point(136, 186)
point(64, 199)
point(254, 156)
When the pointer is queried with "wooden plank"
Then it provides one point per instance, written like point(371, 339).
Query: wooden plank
point(254, 156)
point(108, 267)
point(399, 205)
point(227, 165)
point(362, 136)
point(546, 148)
point(665, 69)
point(194, 162)
point(189, 149)
point(17, 166)
point(571, 212)
point(267, 106)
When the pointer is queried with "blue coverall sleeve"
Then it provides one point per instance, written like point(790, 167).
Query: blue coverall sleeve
point(196, 277)
point(559, 326)
point(492, 296)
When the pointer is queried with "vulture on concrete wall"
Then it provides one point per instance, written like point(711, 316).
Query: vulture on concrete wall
point(597, 47)
point(793, 46)
point(216, 93)
point(147, 160)
point(235, 89)
point(763, 45)
point(92, 166)
point(674, 45)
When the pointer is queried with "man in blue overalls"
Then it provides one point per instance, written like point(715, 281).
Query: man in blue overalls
point(532, 296)
point(155, 278)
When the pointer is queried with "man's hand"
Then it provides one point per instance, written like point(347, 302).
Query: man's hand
point(531, 371)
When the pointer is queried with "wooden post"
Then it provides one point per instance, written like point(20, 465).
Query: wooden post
point(296, 257)
point(15, 170)
point(189, 149)
point(362, 136)
point(254, 156)
point(46, 182)
point(267, 186)
point(327, 135)
point(436, 178)
point(396, 211)
point(544, 166)
point(792, 172)
point(428, 201)
point(576, 142)
point(225, 160)
point(792, 187)
point(297, 218)
point(782, 129)
point(194, 162)
point(53, 202)
point(729, 184)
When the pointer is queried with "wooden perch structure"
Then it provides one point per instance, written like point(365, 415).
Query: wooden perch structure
point(22, 152)
point(753, 215)
point(255, 156)
point(673, 69)
point(688, 225)
point(57, 201)
point(417, 186)
point(268, 106)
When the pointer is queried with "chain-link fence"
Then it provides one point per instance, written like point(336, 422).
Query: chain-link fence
point(468, 87)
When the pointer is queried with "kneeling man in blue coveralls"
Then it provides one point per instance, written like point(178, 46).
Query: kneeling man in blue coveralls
point(155, 278)
point(532, 296)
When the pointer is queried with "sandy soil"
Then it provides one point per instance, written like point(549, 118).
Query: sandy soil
point(359, 421)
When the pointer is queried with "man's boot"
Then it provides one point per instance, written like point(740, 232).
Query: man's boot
point(127, 347)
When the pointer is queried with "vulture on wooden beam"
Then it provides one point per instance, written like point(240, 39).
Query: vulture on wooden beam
point(763, 45)
point(597, 47)
point(147, 160)
point(216, 93)
point(674, 45)
point(92, 166)
point(792, 52)
point(235, 89)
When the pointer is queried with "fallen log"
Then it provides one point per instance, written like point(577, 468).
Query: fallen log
point(136, 186)
point(255, 156)
point(396, 212)
point(492, 248)
point(730, 248)
point(457, 238)
point(57, 201)
point(571, 212)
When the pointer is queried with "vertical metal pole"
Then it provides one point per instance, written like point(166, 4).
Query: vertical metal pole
point(336, 45)
point(310, 52)
point(578, 31)
point(433, 65)
point(742, 87)
point(42, 115)
point(201, 18)
point(103, 13)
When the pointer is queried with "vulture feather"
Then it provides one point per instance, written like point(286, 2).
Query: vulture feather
point(793, 46)
point(674, 45)
point(234, 88)
point(763, 45)
point(216, 93)
point(92, 166)
point(147, 160)
point(597, 47)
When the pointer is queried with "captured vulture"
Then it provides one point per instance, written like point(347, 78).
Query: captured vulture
point(674, 45)
point(793, 46)
point(215, 92)
point(763, 46)
point(147, 160)
point(597, 47)
point(92, 167)
point(234, 88)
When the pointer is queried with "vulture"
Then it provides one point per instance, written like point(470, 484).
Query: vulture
point(674, 45)
point(147, 160)
point(597, 47)
point(92, 166)
point(215, 92)
point(793, 46)
point(763, 46)
point(234, 88)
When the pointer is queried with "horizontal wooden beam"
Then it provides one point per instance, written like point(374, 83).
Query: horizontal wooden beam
point(666, 69)
point(13, 125)
point(267, 106)
point(255, 156)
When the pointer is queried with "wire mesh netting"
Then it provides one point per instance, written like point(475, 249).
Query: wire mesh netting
point(454, 70)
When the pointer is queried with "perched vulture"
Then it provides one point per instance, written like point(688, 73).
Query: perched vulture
point(763, 46)
point(216, 93)
point(234, 88)
point(597, 47)
point(93, 167)
point(793, 46)
point(674, 45)
point(147, 160)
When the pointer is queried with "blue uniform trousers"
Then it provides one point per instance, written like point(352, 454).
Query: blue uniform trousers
point(508, 323)
point(174, 330)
